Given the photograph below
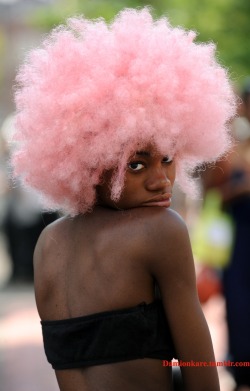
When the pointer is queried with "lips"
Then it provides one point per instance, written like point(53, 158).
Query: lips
point(159, 200)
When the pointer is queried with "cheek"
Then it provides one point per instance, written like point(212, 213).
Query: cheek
point(131, 185)
point(127, 190)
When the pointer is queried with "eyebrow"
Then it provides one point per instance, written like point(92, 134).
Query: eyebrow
point(143, 153)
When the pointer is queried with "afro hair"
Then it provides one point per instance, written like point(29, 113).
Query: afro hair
point(94, 93)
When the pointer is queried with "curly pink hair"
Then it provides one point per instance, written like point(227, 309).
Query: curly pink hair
point(95, 93)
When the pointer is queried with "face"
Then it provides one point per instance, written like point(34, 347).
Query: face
point(149, 181)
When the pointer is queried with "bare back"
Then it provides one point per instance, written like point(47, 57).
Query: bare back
point(94, 263)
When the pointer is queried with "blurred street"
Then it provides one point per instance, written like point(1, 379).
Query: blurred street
point(23, 366)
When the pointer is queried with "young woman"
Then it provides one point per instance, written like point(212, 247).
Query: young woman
point(107, 117)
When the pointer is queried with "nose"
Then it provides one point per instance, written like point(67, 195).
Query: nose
point(158, 180)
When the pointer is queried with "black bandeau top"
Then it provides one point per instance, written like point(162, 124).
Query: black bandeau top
point(108, 337)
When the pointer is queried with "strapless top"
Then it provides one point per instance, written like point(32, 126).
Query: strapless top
point(107, 337)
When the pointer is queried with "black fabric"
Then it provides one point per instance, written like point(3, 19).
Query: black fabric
point(108, 337)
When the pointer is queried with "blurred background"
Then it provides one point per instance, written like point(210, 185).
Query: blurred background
point(222, 212)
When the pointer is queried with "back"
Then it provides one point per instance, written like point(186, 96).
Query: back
point(94, 263)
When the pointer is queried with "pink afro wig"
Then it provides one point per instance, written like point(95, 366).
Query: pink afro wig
point(95, 93)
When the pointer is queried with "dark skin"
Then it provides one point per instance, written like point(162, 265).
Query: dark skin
point(109, 259)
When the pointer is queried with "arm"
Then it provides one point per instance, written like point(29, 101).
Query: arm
point(173, 268)
point(48, 271)
point(43, 274)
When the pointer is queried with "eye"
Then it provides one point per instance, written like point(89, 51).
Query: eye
point(136, 166)
point(167, 159)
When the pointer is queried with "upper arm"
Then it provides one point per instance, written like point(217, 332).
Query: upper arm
point(41, 273)
point(173, 268)
point(46, 270)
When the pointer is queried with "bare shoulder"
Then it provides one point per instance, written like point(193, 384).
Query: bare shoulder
point(168, 248)
point(50, 241)
point(159, 236)
point(48, 262)
point(162, 229)
point(156, 218)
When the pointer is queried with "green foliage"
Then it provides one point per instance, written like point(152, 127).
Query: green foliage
point(225, 22)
